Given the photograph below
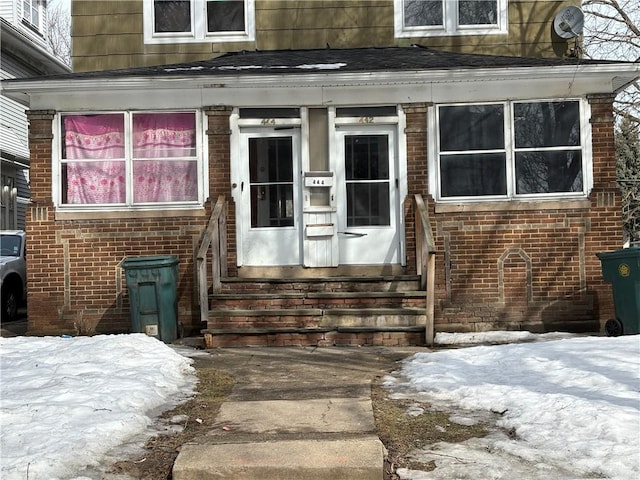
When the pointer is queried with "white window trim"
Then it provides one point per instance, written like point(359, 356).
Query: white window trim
point(585, 144)
point(451, 25)
point(201, 159)
point(39, 26)
point(198, 33)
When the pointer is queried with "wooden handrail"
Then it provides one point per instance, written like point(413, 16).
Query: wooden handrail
point(214, 239)
point(426, 262)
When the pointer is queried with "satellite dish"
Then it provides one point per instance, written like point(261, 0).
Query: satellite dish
point(569, 23)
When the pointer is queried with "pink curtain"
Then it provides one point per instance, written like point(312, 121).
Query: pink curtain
point(157, 137)
point(164, 135)
point(162, 181)
point(94, 137)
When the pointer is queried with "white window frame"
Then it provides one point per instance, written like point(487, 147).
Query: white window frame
point(58, 161)
point(198, 33)
point(28, 18)
point(510, 150)
point(451, 25)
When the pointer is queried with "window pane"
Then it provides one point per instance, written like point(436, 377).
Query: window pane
point(271, 160)
point(471, 127)
point(549, 172)
point(547, 124)
point(366, 157)
point(165, 181)
point(272, 205)
point(93, 136)
point(172, 16)
point(261, 113)
point(164, 135)
point(423, 13)
point(93, 183)
point(367, 204)
point(271, 181)
point(366, 111)
point(225, 16)
point(473, 175)
point(478, 12)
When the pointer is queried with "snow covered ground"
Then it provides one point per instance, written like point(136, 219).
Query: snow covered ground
point(65, 403)
point(567, 409)
point(571, 404)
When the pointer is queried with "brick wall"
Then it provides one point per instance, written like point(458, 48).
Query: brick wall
point(530, 267)
point(75, 282)
point(533, 267)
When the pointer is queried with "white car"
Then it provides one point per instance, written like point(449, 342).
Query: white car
point(13, 272)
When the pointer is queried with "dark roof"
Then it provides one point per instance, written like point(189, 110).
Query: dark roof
point(413, 58)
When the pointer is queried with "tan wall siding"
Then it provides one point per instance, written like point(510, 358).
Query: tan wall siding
point(109, 34)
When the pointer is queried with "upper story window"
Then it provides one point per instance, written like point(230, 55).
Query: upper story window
point(511, 150)
point(182, 21)
point(423, 18)
point(124, 159)
point(32, 13)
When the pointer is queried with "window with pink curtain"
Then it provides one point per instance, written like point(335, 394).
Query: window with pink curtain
point(162, 162)
point(95, 171)
point(164, 157)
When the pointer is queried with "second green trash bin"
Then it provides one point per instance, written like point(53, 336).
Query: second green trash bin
point(152, 284)
point(621, 268)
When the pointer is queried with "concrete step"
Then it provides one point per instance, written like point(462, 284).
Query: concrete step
point(313, 439)
point(349, 459)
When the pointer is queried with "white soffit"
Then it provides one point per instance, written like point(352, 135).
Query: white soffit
point(323, 89)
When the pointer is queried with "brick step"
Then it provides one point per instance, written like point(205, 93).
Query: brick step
point(315, 327)
point(321, 300)
point(391, 283)
point(314, 319)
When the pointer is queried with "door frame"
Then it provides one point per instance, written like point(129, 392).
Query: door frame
point(242, 130)
point(339, 126)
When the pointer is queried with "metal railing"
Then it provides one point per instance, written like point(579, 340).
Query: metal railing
point(213, 248)
point(426, 262)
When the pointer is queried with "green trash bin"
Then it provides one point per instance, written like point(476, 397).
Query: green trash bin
point(152, 284)
point(621, 268)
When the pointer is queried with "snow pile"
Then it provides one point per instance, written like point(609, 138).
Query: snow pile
point(571, 407)
point(65, 402)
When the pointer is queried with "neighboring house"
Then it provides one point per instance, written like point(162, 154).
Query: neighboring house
point(314, 163)
point(24, 54)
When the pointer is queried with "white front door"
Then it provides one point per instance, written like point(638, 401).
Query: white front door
point(269, 197)
point(367, 195)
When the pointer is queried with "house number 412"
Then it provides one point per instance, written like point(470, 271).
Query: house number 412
point(366, 120)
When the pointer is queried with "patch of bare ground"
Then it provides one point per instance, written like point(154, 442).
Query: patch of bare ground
point(196, 417)
point(407, 425)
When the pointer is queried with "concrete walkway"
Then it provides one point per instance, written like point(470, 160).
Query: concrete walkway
point(294, 413)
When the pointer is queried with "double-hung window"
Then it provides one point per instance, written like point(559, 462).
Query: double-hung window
point(183, 21)
point(120, 160)
point(418, 18)
point(32, 13)
point(511, 150)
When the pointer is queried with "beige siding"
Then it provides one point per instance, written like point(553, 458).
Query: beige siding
point(109, 34)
